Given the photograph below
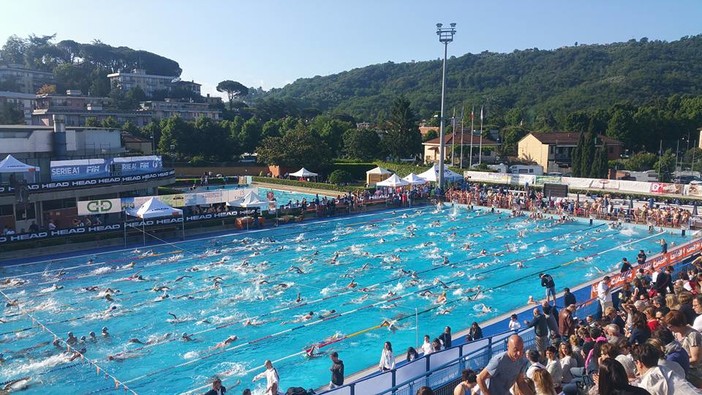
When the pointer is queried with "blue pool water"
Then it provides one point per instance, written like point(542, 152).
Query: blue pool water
point(215, 285)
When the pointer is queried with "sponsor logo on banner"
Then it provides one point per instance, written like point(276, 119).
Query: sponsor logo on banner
point(605, 184)
point(100, 206)
point(665, 188)
point(541, 180)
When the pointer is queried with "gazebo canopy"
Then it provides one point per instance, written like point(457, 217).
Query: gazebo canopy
point(250, 200)
point(393, 181)
point(303, 173)
point(378, 170)
point(12, 165)
point(414, 179)
point(154, 208)
point(432, 174)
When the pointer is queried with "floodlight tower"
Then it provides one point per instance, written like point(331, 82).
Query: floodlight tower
point(445, 37)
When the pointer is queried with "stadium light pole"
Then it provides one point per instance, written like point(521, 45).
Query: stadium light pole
point(445, 37)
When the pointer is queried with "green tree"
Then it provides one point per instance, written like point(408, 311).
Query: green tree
point(110, 122)
point(362, 144)
point(665, 166)
point(577, 158)
point(340, 177)
point(92, 122)
point(178, 134)
point(298, 147)
point(233, 89)
point(621, 125)
point(641, 161)
point(403, 139)
point(10, 114)
point(250, 135)
point(587, 155)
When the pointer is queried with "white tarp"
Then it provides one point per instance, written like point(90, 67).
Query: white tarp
point(432, 174)
point(251, 200)
point(154, 208)
point(393, 181)
point(379, 170)
point(303, 173)
point(11, 165)
point(414, 179)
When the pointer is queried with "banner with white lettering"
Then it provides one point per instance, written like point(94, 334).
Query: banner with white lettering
point(62, 170)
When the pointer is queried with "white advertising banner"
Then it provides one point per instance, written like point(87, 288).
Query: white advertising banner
point(191, 199)
point(99, 206)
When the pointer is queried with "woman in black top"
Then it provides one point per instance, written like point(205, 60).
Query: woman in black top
point(612, 380)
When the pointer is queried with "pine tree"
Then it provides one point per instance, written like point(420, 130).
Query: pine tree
point(587, 155)
point(604, 162)
point(577, 155)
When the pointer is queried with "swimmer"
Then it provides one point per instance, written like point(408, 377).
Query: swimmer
point(92, 288)
point(92, 337)
point(136, 277)
point(299, 298)
point(186, 338)
point(390, 325)
point(520, 265)
point(129, 265)
point(352, 284)
point(175, 317)
point(531, 300)
point(389, 295)
point(226, 342)
point(104, 331)
point(119, 357)
point(327, 314)
point(442, 298)
point(296, 270)
point(253, 322)
point(443, 284)
point(159, 288)
point(71, 339)
point(12, 303)
point(445, 310)
point(181, 278)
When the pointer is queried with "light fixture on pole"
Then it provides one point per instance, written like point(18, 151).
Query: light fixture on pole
point(445, 37)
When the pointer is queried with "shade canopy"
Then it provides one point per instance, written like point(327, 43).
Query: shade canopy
point(432, 174)
point(393, 181)
point(378, 170)
point(11, 165)
point(154, 208)
point(414, 179)
point(303, 173)
point(250, 200)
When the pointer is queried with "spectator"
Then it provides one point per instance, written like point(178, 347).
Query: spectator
point(425, 391)
point(427, 347)
point(469, 380)
point(550, 286)
point(626, 266)
point(337, 371)
point(568, 298)
point(445, 337)
point(412, 354)
point(540, 330)
point(654, 379)
point(514, 324)
point(474, 332)
point(612, 379)
point(272, 378)
point(387, 360)
point(217, 387)
point(641, 257)
point(504, 369)
point(604, 294)
point(533, 357)
point(553, 365)
point(566, 324)
point(567, 361)
point(543, 382)
point(697, 306)
point(691, 341)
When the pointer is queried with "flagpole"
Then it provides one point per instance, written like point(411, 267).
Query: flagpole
point(462, 132)
point(480, 149)
point(453, 136)
point(472, 121)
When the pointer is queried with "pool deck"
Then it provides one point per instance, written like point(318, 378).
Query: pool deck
point(294, 188)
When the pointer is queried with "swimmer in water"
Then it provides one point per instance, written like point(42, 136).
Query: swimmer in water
point(181, 278)
point(352, 284)
point(105, 333)
point(390, 325)
point(442, 298)
point(327, 314)
point(186, 338)
point(226, 342)
point(159, 288)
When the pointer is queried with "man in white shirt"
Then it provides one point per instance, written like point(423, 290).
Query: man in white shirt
point(533, 356)
point(272, 379)
point(514, 324)
point(427, 348)
point(604, 293)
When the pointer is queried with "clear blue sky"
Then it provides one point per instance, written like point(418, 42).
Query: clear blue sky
point(271, 43)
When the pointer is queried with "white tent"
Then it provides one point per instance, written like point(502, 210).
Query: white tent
point(378, 170)
point(11, 165)
point(250, 200)
point(153, 208)
point(414, 179)
point(433, 174)
point(376, 175)
point(303, 173)
point(393, 181)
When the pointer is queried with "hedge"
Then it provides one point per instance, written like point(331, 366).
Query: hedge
point(307, 184)
point(357, 170)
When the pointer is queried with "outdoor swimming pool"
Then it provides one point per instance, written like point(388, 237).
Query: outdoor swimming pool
point(212, 286)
